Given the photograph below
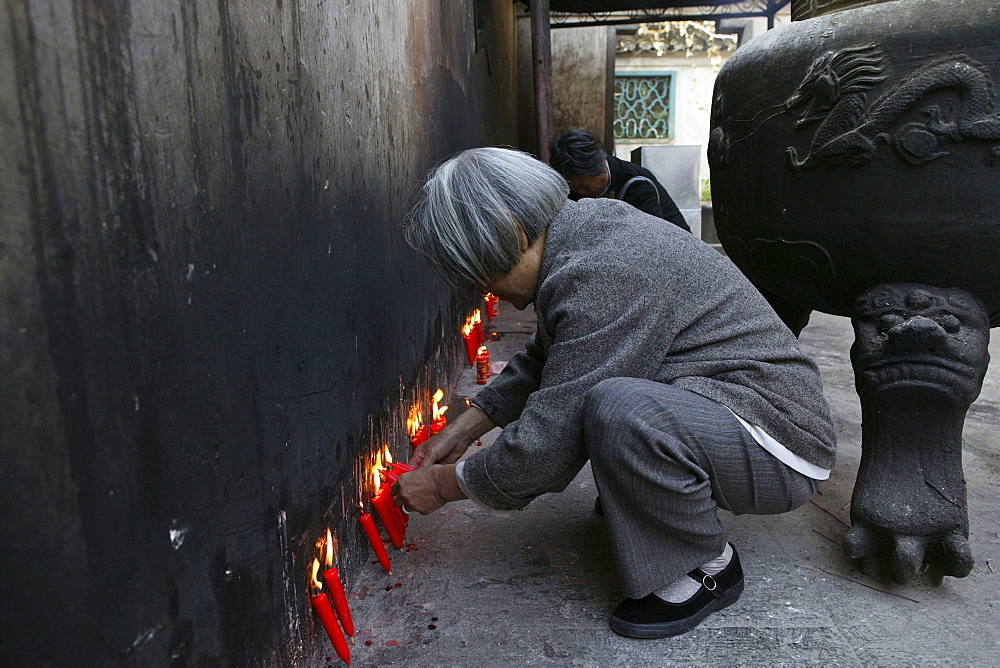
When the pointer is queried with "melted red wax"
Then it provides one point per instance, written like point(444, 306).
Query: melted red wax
point(368, 642)
point(391, 643)
point(432, 626)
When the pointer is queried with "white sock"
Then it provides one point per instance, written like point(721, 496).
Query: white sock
point(685, 587)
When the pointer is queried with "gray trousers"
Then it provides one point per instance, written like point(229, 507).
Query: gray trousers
point(665, 460)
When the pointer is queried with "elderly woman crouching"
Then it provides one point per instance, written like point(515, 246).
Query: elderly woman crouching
point(654, 358)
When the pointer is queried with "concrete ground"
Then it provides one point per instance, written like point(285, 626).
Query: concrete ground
point(538, 588)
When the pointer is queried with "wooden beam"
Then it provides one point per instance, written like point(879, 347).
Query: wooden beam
point(541, 52)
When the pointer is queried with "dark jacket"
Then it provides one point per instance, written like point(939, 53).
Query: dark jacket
point(641, 194)
point(621, 295)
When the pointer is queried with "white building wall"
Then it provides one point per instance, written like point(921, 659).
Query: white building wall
point(694, 79)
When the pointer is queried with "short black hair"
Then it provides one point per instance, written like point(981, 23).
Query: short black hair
point(577, 153)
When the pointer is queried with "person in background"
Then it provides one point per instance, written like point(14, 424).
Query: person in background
point(590, 172)
point(654, 358)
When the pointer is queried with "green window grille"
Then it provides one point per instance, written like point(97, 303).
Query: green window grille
point(642, 105)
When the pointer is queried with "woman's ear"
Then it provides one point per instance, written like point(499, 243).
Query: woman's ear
point(524, 239)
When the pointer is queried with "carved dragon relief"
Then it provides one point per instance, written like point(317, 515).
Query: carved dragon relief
point(834, 94)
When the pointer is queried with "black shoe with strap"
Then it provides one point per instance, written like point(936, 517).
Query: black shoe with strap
point(652, 617)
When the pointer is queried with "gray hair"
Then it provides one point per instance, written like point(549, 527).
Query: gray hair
point(472, 207)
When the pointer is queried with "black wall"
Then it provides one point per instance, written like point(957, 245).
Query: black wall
point(208, 318)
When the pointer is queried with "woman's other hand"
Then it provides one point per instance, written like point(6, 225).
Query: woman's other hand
point(448, 446)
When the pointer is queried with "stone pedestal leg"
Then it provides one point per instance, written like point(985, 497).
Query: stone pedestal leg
point(919, 356)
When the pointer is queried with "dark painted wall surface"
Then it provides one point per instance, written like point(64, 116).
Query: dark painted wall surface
point(208, 315)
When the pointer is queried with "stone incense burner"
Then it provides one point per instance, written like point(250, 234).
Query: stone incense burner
point(856, 170)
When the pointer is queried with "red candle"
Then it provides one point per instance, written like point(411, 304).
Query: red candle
point(417, 433)
point(403, 519)
point(397, 469)
point(422, 435)
point(390, 476)
point(492, 306)
point(387, 513)
point(368, 524)
point(489, 308)
point(470, 346)
point(321, 604)
point(482, 365)
point(477, 323)
point(438, 424)
point(439, 421)
point(332, 579)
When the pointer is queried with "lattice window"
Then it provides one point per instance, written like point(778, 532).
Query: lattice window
point(642, 105)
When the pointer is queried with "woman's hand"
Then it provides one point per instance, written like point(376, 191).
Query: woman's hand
point(450, 443)
point(446, 447)
point(427, 489)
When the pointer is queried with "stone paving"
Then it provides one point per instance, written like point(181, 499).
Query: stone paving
point(537, 588)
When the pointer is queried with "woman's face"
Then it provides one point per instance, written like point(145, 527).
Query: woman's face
point(518, 286)
point(590, 186)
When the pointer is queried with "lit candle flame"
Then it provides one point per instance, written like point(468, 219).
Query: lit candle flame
point(374, 472)
point(437, 411)
point(477, 317)
point(482, 350)
point(315, 575)
point(467, 327)
point(386, 455)
point(413, 421)
point(329, 548)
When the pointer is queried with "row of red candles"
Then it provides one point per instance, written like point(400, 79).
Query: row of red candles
point(393, 519)
point(472, 334)
point(321, 603)
point(472, 331)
